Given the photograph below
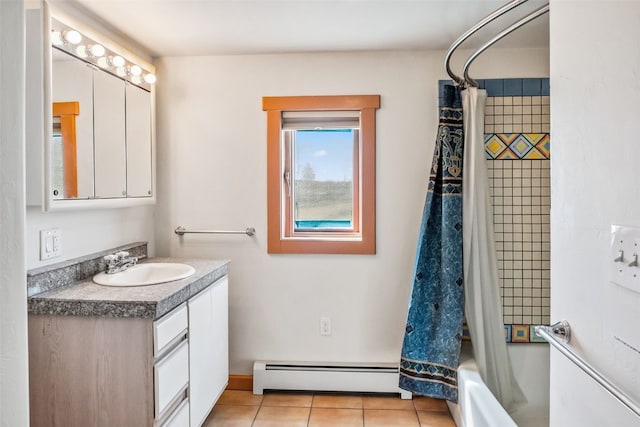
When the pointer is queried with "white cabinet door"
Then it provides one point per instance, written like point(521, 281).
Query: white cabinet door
point(220, 330)
point(110, 152)
point(208, 349)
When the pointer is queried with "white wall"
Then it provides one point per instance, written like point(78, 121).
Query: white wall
point(595, 64)
point(88, 231)
point(530, 364)
point(212, 170)
point(14, 395)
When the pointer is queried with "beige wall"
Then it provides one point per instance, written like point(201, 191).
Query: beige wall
point(595, 63)
point(212, 169)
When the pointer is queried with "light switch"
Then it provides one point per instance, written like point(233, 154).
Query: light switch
point(50, 243)
point(624, 257)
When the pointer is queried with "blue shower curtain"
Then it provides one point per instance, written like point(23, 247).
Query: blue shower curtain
point(431, 347)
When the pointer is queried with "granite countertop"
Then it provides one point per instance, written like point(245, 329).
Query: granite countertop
point(85, 298)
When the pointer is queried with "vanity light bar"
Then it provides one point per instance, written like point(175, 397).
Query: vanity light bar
point(73, 42)
point(66, 36)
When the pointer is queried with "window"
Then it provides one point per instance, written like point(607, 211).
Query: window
point(321, 174)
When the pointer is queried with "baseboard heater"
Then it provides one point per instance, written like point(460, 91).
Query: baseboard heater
point(337, 377)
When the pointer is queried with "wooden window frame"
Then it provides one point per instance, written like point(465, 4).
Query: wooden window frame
point(322, 242)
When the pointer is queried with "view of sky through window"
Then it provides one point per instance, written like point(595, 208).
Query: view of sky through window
point(323, 171)
point(324, 155)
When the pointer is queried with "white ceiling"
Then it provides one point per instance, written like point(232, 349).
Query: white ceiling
point(213, 27)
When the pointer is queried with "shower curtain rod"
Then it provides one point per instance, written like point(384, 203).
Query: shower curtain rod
point(486, 20)
point(482, 23)
point(537, 13)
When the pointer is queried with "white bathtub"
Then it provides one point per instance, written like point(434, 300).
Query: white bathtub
point(477, 407)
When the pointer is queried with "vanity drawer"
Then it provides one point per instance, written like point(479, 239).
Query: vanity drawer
point(168, 328)
point(171, 377)
point(180, 418)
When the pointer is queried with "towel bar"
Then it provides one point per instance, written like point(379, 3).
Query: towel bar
point(560, 333)
point(181, 231)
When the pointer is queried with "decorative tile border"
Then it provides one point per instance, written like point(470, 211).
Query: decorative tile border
point(533, 337)
point(517, 146)
point(508, 87)
point(508, 332)
point(516, 87)
point(521, 334)
point(513, 334)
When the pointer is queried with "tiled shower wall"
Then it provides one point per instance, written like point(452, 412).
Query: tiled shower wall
point(517, 146)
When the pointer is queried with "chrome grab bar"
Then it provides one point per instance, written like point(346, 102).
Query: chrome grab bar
point(181, 231)
point(558, 335)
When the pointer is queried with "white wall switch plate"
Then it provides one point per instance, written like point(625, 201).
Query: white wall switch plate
point(50, 243)
point(624, 257)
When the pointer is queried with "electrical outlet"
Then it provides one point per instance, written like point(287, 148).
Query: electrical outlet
point(325, 326)
point(50, 243)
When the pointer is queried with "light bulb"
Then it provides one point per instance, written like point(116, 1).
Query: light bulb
point(117, 61)
point(121, 71)
point(135, 70)
point(136, 80)
point(81, 51)
point(97, 50)
point(56, 38)
point(71, 36)
point(150, 78)
point(103, 62)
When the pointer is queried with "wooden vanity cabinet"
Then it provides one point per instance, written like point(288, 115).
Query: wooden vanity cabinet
point(89, 371)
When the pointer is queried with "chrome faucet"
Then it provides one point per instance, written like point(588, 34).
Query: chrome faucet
point(119, 261)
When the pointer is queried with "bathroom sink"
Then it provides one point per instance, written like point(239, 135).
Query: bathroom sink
point(150, 273)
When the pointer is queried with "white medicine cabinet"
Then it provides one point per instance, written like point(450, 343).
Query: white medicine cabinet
point(90, 138)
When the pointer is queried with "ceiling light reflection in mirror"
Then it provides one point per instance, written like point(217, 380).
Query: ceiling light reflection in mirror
point(73, 42)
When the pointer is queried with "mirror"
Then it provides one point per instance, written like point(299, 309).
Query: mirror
point(101, 136)
point(72, 84)
point(110, 151)
point(139, 148)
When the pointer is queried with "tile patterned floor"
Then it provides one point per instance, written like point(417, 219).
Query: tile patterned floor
point(237, 408)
